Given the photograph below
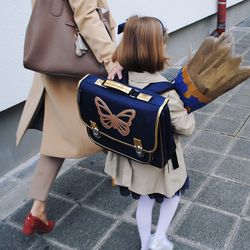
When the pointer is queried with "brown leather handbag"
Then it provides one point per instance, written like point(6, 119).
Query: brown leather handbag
point(53, 44)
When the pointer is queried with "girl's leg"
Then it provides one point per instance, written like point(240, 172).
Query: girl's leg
point(144, 219)
point(42, 180)
point(167, 211)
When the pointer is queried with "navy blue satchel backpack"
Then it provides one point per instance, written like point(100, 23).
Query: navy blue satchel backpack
point(129, 121)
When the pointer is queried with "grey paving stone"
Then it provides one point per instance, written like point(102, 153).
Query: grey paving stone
point(247, 214)
point(233, 91)
point(245, 130)
point(209, 108)
point(14, 199)
point(224, 125)
point(205, 226)
point(108, 199)
point(25, 173)
point(43, 244)
point(235, 170)
point(6, 186)
point(200, 160)
point(56, 208)
point(125, 237)
point(200, 119)
point(212, 141)
point(234, 111)
point(240, 47)
point(75, 184)
point(95, 162)
point(224, 195)
point(81, 229)
point(244, 40)
point(13, 239)
point(247, 82)
point(223, 98)
point(245, 23)
point(241, 241)
point(246, 60)
point(196, 180)
point(246, 37)
point(241, 148)
point(245, 63)
point(184, 139)
point(156, 212)
point(242, 100)
point(181, 246)
point(237, 34)
point(244, 88)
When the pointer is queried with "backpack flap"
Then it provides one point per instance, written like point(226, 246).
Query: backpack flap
point(123, 119)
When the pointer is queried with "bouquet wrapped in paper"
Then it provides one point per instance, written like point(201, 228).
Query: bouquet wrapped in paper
point(213, 70)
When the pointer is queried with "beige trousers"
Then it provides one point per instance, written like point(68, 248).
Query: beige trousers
point(44, 176)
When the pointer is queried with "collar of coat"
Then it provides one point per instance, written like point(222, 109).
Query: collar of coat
point(145, 77)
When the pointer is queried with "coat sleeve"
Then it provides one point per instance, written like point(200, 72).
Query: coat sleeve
point(182, 122)
point(93, 31)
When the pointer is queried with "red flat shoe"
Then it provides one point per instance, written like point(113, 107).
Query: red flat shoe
point(33, 224)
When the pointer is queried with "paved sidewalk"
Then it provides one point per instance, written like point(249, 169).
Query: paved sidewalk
point(213, 214)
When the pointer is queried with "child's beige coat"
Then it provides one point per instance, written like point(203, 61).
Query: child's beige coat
point(146, 179)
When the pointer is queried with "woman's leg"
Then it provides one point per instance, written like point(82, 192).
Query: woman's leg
point(144, 220)
point(167, 211)
point(42, 180)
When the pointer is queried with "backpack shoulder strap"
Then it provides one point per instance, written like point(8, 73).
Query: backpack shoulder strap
point(156, 87)
point(160, 87)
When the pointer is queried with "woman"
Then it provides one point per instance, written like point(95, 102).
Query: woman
point(53, 99)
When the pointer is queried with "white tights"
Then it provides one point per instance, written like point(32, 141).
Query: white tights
point(144, 218)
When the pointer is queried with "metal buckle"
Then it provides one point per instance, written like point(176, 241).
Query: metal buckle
point(138, 148)
point(134, 93)
point(95, 130)
point(144, 97)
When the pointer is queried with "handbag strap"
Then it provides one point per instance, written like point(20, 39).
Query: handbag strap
point(56, 7)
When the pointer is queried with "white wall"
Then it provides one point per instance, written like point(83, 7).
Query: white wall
point(15, 81)
point(174, 13)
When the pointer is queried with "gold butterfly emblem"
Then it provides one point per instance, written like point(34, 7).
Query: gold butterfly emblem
point(121, 122)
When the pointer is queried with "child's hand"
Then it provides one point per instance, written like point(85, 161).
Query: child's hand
point(116, 71)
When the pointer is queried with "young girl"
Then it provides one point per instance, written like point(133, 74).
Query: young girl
point(141, 53)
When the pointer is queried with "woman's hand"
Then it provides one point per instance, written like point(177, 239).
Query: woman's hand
point(117, 70)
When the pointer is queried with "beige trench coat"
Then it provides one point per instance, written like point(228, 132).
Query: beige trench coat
point(146, 179)
point(63, 132)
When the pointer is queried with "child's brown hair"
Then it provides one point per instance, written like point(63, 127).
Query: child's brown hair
point(142, 46)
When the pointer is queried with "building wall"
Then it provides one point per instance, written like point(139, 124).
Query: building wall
point(15, 81)
point(181, 40)
point(191, 36)
point(174, 14)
